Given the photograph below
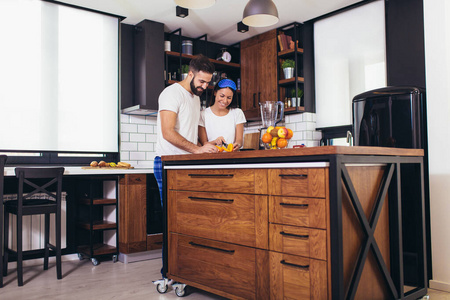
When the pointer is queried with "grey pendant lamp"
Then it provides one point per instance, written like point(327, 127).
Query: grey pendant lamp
point(195, 4)
point(260, 13)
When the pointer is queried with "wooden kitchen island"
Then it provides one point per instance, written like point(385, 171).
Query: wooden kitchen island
point(309, 223)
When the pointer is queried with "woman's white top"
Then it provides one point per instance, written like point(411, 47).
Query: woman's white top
point(225, 126)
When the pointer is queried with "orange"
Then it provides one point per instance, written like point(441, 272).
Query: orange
point(282, 143)
point(290, 133)
point(266, 138)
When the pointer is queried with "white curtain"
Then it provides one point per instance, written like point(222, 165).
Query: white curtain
point(58, 78)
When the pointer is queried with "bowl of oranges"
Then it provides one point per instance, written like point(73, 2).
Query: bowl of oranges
point(276, 137)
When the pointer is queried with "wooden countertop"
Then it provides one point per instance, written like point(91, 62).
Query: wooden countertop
point(307, 151)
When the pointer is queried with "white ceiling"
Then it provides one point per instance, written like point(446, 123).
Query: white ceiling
point(218, 22)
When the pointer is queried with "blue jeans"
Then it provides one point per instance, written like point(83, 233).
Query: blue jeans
point(157, 171)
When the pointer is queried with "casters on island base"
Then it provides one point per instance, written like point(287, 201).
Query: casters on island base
point(180, 289)
point(94, 261)
point(162, 286)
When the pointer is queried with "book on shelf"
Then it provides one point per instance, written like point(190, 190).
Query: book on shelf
point(280, 42)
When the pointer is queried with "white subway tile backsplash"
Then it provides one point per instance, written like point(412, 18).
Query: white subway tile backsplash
point(124, 119)
point(124, 137)
point(151, 138)
point(137, 137)
point(145, 128)
point(311, 126)
point(299, 127)
point(307, 135)
point(128, 146)
point(128, 128)
point(146, 147)
point(294, 118)
point(150, 120)
point(150, 156)
point(137, 155)
point(124, 156)
point(137, 119)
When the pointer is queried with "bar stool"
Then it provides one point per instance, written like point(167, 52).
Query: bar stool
point(2, 172)
point(45, 181)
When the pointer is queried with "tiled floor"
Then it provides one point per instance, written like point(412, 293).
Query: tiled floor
point(82, 280)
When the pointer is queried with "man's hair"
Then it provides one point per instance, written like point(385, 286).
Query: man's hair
point(201, 63)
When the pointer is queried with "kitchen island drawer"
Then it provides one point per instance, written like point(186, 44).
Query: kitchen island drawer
point(308, 242)
point(250, 181)
point(227, 267)
point(237, 218)
point(295, 277)
point(305, 182)
point(307, 212)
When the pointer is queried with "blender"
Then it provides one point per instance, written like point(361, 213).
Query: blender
point(270, 116)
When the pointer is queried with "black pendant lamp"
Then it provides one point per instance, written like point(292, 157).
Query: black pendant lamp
point(260, 13)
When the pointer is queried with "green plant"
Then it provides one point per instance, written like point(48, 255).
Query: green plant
point(184, 69)
point(288, 63)
point(299, 93)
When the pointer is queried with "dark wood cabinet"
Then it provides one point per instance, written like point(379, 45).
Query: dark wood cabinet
point(258, 72)
point(133, 213)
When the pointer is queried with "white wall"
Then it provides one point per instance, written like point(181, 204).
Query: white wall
point(437, 61)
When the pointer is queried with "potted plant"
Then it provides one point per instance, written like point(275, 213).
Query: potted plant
point(184, 71)
point(288, 66)
point(295, 99)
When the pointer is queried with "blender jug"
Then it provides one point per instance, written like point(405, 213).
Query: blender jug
point(269, 113)
point(269, 117)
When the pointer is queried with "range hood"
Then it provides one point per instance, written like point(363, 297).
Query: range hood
point(142, 67)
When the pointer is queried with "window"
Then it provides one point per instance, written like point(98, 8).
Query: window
point(350, 58)
point(58, 78)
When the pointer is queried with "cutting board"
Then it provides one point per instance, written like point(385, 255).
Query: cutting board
point(251, 141)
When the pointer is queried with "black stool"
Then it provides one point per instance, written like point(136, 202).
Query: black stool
point(2, 171)
point(46, 181)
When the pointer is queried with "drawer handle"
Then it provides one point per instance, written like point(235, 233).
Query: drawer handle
point(293, 204)
point(211, 175)
point(294, 265)
point(210, 199)
point(302, 176)
point(212, 248)
point(295, 235)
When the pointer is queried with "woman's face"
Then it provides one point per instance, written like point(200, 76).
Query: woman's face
point(223, 98)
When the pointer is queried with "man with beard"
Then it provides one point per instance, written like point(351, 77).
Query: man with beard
point(179, 111)
point(178, 118)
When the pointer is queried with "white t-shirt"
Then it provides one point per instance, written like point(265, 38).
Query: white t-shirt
point(225, 126)
point(187, 106)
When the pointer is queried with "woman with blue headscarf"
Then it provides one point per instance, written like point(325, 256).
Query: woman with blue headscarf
point(222, 122)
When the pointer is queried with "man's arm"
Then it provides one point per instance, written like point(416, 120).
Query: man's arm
point(168, 122)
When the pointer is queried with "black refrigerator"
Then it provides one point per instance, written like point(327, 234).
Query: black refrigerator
point(396, 117)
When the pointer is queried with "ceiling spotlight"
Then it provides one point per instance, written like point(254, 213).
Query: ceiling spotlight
point(182, 12)
point(260, 13)
point(241, 27)
point(195, 4)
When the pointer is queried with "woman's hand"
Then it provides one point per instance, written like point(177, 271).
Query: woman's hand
point(236, 146)
point(219, 141)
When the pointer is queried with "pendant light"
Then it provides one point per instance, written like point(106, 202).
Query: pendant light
point(260, 13)
point(195, 4)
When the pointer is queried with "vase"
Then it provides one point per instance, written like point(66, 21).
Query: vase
point(288, 73)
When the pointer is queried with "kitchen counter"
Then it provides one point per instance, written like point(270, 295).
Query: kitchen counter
point(330, 222)
point(294, 152)
point(9, 171)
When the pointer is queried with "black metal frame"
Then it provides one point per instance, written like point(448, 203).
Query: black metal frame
point(339, 180)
